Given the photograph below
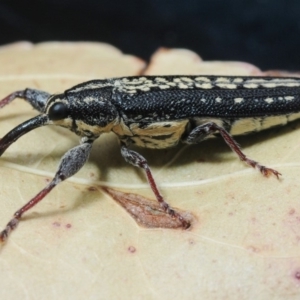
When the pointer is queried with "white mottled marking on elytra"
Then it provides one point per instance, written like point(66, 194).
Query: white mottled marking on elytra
point(222, 79)
point(238, 80)
point(250, 85)
point(161, 79)
point(145, 84)
point(171, 83)
point(280, 98)
point(117, 83)
point(133, 87)
point(238, 100)
point(273, 83)
point(145, 89)
point(183, 86)
point(202, 78)
point(203, 100)
point(272, 121)
point(204, 85)
point(293, 84)
point(227, 85)
point(289, 98)
point(177, 80)
point(293, 117)
point(186, 79)
point(269, 100)
point(243, 126)
point(164, 87)
point(218, 99)
point(269, 85)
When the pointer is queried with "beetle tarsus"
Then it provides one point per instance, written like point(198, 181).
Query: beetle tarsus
point(11, 97)
point(138, 160)
point(11, 225)
point(203, 131)
point(36, 98)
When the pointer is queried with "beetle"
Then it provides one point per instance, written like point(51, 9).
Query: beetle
point(156, 112)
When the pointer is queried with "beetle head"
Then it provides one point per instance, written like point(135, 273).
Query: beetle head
point(86, 114)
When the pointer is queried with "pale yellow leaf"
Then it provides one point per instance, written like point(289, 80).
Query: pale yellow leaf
point(79, 243)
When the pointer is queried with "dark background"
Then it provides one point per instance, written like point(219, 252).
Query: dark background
point(263, 32)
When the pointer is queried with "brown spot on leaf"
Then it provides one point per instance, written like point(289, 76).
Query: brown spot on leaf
point(253, 249)
point(292, 211)
point(191, 241)
point(131, 249)
point(56, 224)
point(92, 189)
point(146, 212)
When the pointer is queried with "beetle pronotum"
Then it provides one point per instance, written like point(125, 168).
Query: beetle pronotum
point(156, 112)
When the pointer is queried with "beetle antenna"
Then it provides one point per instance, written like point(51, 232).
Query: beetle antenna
point(20, 130)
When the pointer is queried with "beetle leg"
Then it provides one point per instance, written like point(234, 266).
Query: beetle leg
point(37, 99)
point(204, 130)
point(70, 164)
point(138, 160)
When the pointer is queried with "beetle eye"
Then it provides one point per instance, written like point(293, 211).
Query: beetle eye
point(58, 111)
